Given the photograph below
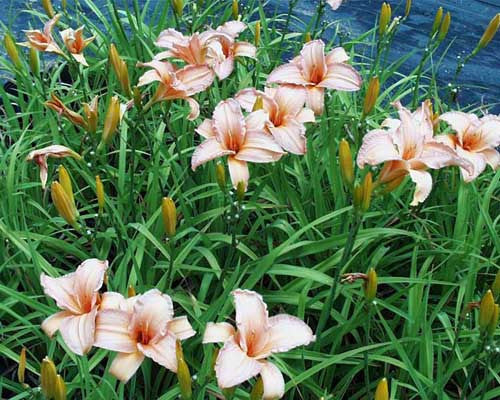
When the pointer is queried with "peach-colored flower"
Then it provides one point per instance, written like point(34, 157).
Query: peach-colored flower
point(75, 43)
point(138, 327)
point(43, 41)
point(335, 4)
point(56, 151)
point(56, 104)
point(408, 147)
point(244, 140)
point(215, 48)
point(287, 114)
point(476, 140)
point(255, 338)
point(77, 295)
point(177, 83)
point(317, 72)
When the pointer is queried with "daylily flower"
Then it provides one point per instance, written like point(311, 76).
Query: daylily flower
point(138, 327)
point(476, 140)
point(408, 147)
point(77, 295)
point(215, 48)
point(317, 72)
point(56, 104)
point(255, 338)
point(244, 140)
point(43, 41)
point(287, 114)
point(56, 151)
point(335, 4)
point(177, 83)
point(75, 43)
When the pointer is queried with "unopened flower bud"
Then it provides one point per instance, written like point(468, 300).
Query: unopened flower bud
point(257, 34)
point(111, 121)
point(169, 215)
point(178, 7)
point(131, 291)
point(34, 61)
point(385, 17)
point(346, 163)
point(371, 95)
point(11, 49)
point(490, 32)
point(437, 21)
point(65, 181)
point(257, 390)
point(495, 286)
point(307, 37)
point(367, 191)
point(235, 9)
point(259, 104)
point(91, 114)
point(445, 26)
point(382, 392)
point(99, 191)
point(220, 175)
point(357, 197)
point(63, 204)
point(240, 190)
point(48, 378)
point(22, 365)
point(370, 285)
point(183, 374)
point(394, 184)
point(120, 68)
point(407, 8)
point(47, 6)
point(492, 326)
point(60, 390)
point(486, 310)
point(137, 98)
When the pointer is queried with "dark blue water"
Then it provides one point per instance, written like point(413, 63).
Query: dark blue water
point(480, 78)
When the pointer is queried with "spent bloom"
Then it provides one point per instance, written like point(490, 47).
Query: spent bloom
point(256, 337)
point(76, 294)
point(243, 139)
point(43, 40)
point(287, 114)
point(57, 105)
point(335, 4)
point(408, 148)
point(138, 327)
point(476, 140)
point(40, 158)
point(177, 83)
point(317, 71)
point(75, 43)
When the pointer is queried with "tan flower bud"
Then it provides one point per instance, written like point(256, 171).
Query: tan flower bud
point(437, 21)
point(490, 32)
point(63, 204)
point(394, 184)
point(492, 326)
point(371, 95)
point(99, 191)
point(111, 121)
point(370, 285)
point(357, 195)
point(346, 163)
point(385, 18)
point(183, 374)
point(169, 215)
point(445, 26)
point(22, 365)
point(382, 392)
point(48, 378)
point(47, 6)
point(367, 191)
point(60, 390)
point(241, 188)
point(120, 68)
point(257, 34)
point(131, 291)
point(91, 114)
point(11, 49)
point(307, 37)
point(235, 9)
point(65, 181)
point(486, 310)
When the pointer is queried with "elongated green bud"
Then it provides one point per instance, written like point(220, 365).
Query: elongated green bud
point(370, 285)
point(371, 95)
point(111, 121)
point(48, 378)
point(137, 98)
point(257, 390)
point(382, 392)
point(307, 37)
point(235, 9)
point(169, 215)
point(65, 181)
point(99, 191)
point(445, 26)
point(63, 204)
point(490, 32)
point(385, 18)
point(34, 61)
point(220, 175)
point(47, 6)
point(240, 190)
point(495, 286)
point(178, 7)
point(60, 389)
point(183, 374)
point(346, 163)
point(492, 326)
point(437, 21)
point(367, 191)
point(257, 34)
point(407, 8)
point(486, 310)
point(22, 365)
point(11, 49)
point(357, 197)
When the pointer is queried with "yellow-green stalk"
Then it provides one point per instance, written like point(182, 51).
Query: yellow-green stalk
point(371, 95)
point(307, 37)
point(437, 21)
point(382, 391)
point(257, 34)
point(99, 191)
point(65, 181)
point(385, 18)
point(22, 365)
point(346, 163)
point(241, 188)
point(370, 285)
point(407, 8)
point(445, 26)
point(367, 191)
point(183, 374)
point(169, 215)
point(49, 10)
point(11, 49)
point(60, 389)
point(63, 204)
point(490, 32)
point(235, 9)
point(486, 310)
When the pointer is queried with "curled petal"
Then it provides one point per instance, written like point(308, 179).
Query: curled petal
point(459, 121)
point(341, 77)
point(256, 121)
point(181, 328)
point(337, 55)
point(206, 129)
point(153, 310)
point(316, 99)
point(112, 331)
point(492, 158)
point(233, 366)
point(313, 61)
point(125, 365)
point(259, 147)
point(287, 74)
point(78, 331)
point(377, 148)
point(224, 68)
point(170, 37)
point(194, 108)
point(244, 49)
point(489, 131)
point(247, 98)
point(291, 136)
point(238, 170)
point(51, 324)
point(423, 182)
point(161, 351)
point(113, 301)
point(306, 115)
point(232, 28)
point(89, 278)
point(437, 155)
point(477, 162)
point(62, 291)
point(272, 379)
point(208, 150)
point(218, 332)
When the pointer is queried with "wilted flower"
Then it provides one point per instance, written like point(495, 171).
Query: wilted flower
point(287, 115)
point(177, 83)
point(91, 114)
point(335, 4)
point(476, 140)
point(56, 104)
point(43, 41)
point(317, 71)
point(56, 151)
point(255, 338)
point(408, 147)
point(77, 295)
point(244, 140)
point(138, 327)
point(75, 43)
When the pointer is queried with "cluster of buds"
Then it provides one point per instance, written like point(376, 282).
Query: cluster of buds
point(441, 25)
point(51, 383)
point(370, 282)
point(121, 71)
point(488, 314)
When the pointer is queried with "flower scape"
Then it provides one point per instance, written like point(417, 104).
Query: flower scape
point(202, 201)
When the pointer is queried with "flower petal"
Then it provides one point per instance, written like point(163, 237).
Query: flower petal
point(206, 151)
point(341, 77)
point(89, 277)
point(247, 98)
point(112, 331)
point(238, 170)
point(232, 28)
point(233, 366)
point(113, 301)
point(196, 78)
point(194, 108)
point(244, 49)
point(51, 324)
point(316, 99)
point(224, 68)
point(423, 182)
point(206, 129)
point(218, 332)
point(459, 121)
point(62, 291)
point(181, 328)
point(259, 147)
point(492, 158)
point(437, 155)
point(287, 74)
point(290, 99)
point(291, 136)
point(489, 131)
point(377, 147)
point(273, 381)
point(162, 351)
point(256, 121)
point(337, 55)
point(78, 331)
point(229, 124)
point(306, 115)
point(170, 37)
point(477, 162)
point(125, 365)
point(153, 309)
point(313, 61)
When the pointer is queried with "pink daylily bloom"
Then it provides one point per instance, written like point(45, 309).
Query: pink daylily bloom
point(244, 140)
point(316, 72)
point(215, 48)
point(43, 41)
point(77, 295)
point(56, 151)
point(177, 83)
point(287, 114)
point(75, 43)
point(255, 338)
point(138, 327)
point(476, 140)
point(408, 147)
